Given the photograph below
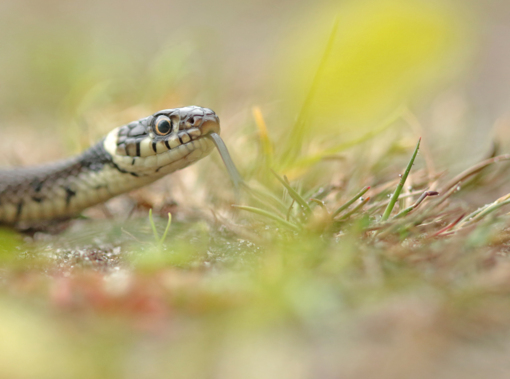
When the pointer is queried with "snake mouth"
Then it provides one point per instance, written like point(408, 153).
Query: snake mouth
point(210, 126)
point(191, 117)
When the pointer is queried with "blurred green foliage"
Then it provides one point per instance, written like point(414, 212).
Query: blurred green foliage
point(385, 53)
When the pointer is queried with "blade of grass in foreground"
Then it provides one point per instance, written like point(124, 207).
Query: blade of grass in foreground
point(396, 194)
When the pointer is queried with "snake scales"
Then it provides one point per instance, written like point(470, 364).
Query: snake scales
point(129, 157)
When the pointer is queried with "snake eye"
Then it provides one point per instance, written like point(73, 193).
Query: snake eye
point(163, 125)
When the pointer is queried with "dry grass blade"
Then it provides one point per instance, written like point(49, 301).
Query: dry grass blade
point(265, 142)
point(484, 211)
point(417, 203)
point(448, 227)
point(474, 170)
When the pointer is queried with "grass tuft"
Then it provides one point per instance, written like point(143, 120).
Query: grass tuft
point(159, 240)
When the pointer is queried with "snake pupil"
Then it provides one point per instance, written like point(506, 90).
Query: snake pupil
point(163, 125)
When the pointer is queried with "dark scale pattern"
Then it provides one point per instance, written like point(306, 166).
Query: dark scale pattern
point(36, 182)
point(130, 136)
point(137, 130)
point(95, 158)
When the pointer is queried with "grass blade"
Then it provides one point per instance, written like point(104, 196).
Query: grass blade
point(272, 216)
point(396, 194)
point(292, 192)
point(474, 170)
point(385, 124)
point(484, 211)
point(417, 203)
point(159, 241)
point(448, 227)
point(355, 209)
point(265, 141)
point(350, 202)
point(153, 226)
point(298, 131)
point(166, 229)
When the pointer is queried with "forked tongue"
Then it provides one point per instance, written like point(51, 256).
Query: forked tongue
point(229, 164)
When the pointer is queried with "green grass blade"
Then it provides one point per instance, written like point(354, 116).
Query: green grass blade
point(355, 209)
point(272, 216)
point(350, 202)
point(267, 198)
point(153, 226)
point(385, 125)
point(296, 196)
point(166, 229)
point(396, 194)
point(296, 140)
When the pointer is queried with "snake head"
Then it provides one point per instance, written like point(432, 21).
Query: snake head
point(164, 142)
point(184, 120)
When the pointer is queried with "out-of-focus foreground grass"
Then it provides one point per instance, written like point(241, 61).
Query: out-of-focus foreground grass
point(307, 279)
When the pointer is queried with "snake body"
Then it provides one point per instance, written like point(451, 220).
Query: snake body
point(129, 157)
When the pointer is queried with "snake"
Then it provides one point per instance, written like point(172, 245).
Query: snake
point(128, 157)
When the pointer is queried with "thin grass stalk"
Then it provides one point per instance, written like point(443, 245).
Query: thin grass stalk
point(153, 226)
point(167, 228)
point(312, 159)
point(449, 226)
point(479, 214)
point(396, 194)
point(159, 240)
point(265, 141)
point(293, 193)
point(272, 216)
point(417, 203)
point(381, 204)
point(355, 209)
point(320, 203)
point(296, 141)
point(474, 170)
point(351, 201)
point(268, 199)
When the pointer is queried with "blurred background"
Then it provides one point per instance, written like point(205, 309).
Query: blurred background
point(72, 70)
point(318, 75)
